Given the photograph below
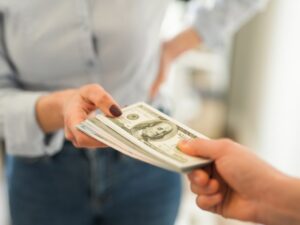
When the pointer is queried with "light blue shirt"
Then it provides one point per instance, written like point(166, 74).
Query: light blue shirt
point(51, 45)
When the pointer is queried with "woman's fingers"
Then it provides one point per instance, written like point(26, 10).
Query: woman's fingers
point(84, 102)
point(81, 140)
point(68, 134)
point(96, 95)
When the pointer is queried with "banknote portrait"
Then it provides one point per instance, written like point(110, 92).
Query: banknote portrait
point(154, 130)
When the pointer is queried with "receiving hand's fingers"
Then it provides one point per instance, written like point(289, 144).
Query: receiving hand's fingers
point(212, 187)
point(96, 95)
point(207, 202)
point(200, 177)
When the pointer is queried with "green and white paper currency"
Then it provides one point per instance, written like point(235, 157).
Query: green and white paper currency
point(146, 134)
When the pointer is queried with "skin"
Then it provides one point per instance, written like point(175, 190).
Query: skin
point(171, 50)
point(241, 186)
point(65, 109)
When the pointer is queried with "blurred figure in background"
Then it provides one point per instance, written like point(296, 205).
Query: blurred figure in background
point(62, 60)
point(241, 186)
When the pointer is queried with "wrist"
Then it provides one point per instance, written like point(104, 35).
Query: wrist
point(282, 202)
point(49, 110)
point(59, 100)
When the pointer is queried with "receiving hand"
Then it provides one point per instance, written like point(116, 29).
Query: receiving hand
point(236, 185)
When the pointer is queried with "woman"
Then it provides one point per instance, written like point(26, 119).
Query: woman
point(60, 61)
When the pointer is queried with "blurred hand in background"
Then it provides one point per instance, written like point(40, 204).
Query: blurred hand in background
point(170, 51)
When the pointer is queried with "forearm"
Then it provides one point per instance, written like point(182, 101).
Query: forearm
point(49, 110)
point(183, 42)
point(282, 203)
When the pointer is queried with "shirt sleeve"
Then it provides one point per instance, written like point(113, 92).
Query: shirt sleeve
point(19, 128)
point(217, 22)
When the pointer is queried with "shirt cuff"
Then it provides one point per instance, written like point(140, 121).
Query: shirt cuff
point(218, 24)
point(22, 133)
point(211, 29)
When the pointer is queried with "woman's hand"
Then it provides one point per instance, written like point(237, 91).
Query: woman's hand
point(238, 185)
point(66, 109)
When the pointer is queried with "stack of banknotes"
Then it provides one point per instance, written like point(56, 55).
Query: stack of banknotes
point(145, 134)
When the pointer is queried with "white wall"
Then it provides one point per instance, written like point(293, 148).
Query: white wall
point(267, 67)
point(280, 120)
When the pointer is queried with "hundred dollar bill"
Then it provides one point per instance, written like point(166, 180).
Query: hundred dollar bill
point(96, 129)
point(156, 134)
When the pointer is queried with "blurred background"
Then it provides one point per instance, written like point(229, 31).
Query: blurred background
point(249, 91)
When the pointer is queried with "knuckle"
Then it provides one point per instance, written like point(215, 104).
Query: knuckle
point(225, 143)
point(101, 97)
point(90, 88)
point(105, 97)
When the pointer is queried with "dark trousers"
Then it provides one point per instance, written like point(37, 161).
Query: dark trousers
point(85, 187)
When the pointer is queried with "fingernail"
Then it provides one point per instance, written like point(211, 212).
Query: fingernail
point(115, 111)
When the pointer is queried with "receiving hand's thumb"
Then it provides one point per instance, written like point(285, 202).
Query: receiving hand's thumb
point(202, 147)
